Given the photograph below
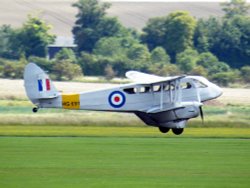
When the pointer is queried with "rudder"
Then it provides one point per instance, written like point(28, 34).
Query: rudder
point(38, 84)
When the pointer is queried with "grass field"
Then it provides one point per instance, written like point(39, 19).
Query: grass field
point(58, 148)
point(123, 162)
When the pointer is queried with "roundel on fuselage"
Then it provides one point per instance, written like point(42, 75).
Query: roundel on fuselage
point(117, 99)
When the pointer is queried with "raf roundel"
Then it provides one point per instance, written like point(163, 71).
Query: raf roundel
point(117, 99)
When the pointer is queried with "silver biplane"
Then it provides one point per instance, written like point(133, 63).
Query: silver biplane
point(163, 102)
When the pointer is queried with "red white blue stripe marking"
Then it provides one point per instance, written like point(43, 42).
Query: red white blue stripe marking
point(43, 85)
point(117, 99)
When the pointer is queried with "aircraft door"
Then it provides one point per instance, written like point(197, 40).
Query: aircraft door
point(189, 90)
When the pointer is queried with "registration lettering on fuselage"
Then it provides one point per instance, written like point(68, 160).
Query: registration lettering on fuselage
point(71, 101)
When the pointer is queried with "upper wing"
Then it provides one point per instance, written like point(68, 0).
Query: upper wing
point(143, 78)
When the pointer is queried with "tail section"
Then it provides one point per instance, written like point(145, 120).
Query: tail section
point(38, 84)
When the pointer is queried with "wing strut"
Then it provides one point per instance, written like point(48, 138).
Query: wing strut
point(161, 102)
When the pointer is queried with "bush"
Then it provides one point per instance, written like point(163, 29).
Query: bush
point(245, 73)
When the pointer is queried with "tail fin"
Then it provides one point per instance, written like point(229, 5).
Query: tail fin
point(37, 84)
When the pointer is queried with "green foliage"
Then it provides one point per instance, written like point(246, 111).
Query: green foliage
point(112, 46)
point(12, 69)
point(232, 45)
point(44, 63)
point(121, 53)
point(235, 7)
point(154, 32)
point(139, 54)
point(245, 73)
point(224, 78)
point(66, 53)
point(211, 63)
point(65, 67)
point(209, 47)
point(6, 35)
point(159, 55)
point(109, 72)
point(187, 60)
point(92, 24)
point(32, 38)
point(199, 71)
point(65, 70)
point(173, 32)
point(124, 158)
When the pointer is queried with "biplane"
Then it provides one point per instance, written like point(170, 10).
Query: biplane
point(163, 102)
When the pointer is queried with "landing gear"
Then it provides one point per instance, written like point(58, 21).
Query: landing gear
point(35, 110)
point(164, 129)
point(177, 131)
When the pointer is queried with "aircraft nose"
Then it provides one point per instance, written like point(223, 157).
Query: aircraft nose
point(217, 91)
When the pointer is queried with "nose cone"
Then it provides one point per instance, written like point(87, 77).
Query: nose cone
point(217, 91)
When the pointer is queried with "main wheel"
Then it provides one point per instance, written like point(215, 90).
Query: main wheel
point(177, 131)
point(164, 129)
point(35, 109)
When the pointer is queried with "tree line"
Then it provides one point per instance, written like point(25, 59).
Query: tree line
point(178, 43)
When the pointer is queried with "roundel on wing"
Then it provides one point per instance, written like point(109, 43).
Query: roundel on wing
point(117, 99)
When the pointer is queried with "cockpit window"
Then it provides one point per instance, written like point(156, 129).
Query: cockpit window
point(199, 84)
point(185, 85)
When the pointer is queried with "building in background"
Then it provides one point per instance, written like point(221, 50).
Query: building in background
point(60, 42)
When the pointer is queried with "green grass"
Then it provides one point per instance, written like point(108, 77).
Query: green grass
point(123, 162)
point(78, 131)
point(14, 112)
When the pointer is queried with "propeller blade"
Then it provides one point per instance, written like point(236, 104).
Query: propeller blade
point(202, 115)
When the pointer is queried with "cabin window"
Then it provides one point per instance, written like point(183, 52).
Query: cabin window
point(145, 89)
point(134, 90)
point(156, 88)
point(166, 87)
point(185, 85)
point(199, 84)
point(130, 90)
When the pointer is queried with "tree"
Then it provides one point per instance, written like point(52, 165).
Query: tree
point(201, 38)
point(245, 73)
point(233, 41)
point(109, 72)
point(173, 32)
point(6, 34)
point(235, 7)
point(32, 38)
point(110, 47)
point(159, 55)
point(154, 32)
point(225, 78)
point(187, 59)
point(64, 66)
point(66, 53)
point(12, 69)
point(92, 24)
point(211, 63)
point(65, 70)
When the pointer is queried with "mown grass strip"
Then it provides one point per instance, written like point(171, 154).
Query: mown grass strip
point(119, 131)
point(59, 162)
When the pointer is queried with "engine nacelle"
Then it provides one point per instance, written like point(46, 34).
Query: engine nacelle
point(175, 118)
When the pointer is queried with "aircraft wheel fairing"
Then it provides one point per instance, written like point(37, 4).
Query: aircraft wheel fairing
point(164, 129)
point(177, 131)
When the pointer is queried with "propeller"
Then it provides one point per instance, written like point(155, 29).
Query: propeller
point(202, 115)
